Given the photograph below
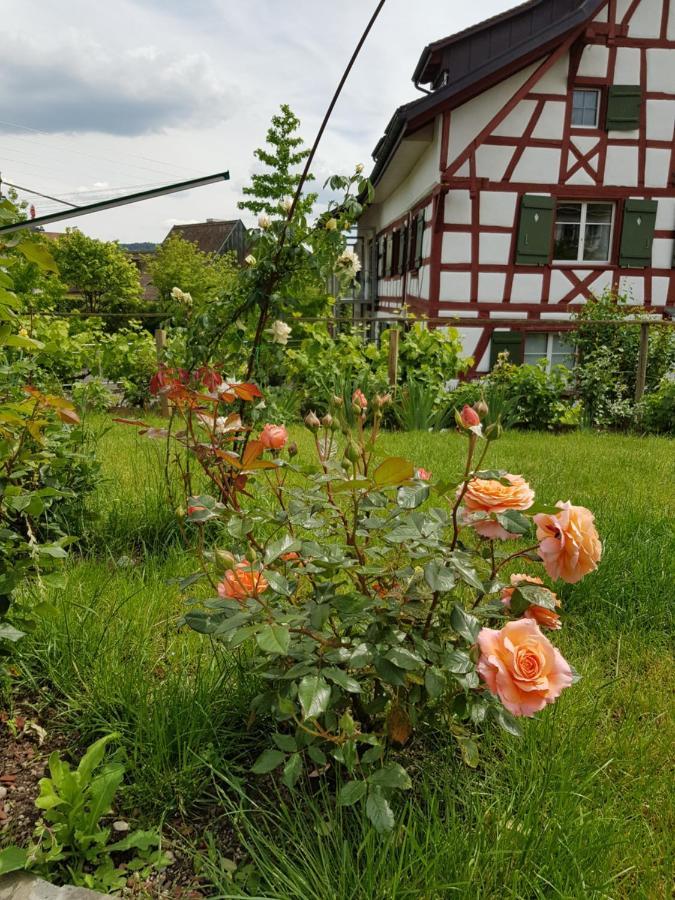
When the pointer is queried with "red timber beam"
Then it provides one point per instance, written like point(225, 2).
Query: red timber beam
point(519, 95)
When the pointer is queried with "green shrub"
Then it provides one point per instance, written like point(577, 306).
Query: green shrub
point(657, 411)
point(531, 396)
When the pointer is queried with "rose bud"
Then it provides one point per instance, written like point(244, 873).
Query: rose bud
point(312, 421)
point(327, 420)
point(352, 451)
point(481, 408)
point(224, 561)
point(292, 449)
point(382, 400)
point(469, 417)
point(338, 401)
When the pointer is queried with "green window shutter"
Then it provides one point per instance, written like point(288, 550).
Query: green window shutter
point(535, 230)
point(419, 238)
point(396, 249)
point(403, 250)
point(623, 107)
point(637, 235)
point(412, 236)
point(388, 243)
point(381, 250)
point(510, 341)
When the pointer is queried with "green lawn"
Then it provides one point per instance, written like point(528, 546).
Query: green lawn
point(580, 807)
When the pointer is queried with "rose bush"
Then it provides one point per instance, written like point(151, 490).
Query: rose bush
point(369, 601)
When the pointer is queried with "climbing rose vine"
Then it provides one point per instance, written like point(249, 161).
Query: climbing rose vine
point(373, 600)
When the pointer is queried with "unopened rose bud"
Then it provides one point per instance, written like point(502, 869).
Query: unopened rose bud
point(224, 561)
point(382, 400)
point(338, 401)
point(469, 417)
point(250, 555)
point(327, 420)
point(292, 449)
point(352, 451)
point(481, 408)
point(359, 168)
point(359, 401)
point(312, 421)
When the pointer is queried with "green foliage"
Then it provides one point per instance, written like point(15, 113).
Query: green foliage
point(92, 396)
point(178, 263)
point(99, 273)
point(657, 411)
point(534, 395)
point(430, 356)
point(284, 154)
point(420, 407)
point(70, 844)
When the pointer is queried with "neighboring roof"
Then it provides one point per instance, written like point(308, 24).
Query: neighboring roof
point(209, 236)
point(520, 35)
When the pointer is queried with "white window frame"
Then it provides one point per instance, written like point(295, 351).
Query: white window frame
point(589, 90)
point(582, 234)
point(548, 356)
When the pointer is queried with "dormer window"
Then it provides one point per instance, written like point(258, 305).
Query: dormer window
point(585, 107)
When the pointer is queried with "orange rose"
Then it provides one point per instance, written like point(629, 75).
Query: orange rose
point(242, 582)
point(273, 437)
point(568, 542)
point(545, 617)
point(485, 495)
point(522, 667)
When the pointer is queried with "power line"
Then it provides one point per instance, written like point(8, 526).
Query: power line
point(38, 194)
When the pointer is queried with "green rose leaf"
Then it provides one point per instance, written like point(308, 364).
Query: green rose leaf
point(393, 471)
point(405, 659)
point(352, 792)
point(458, 662)
point(314, 695)
point(268, 760)
point(439, 577)
point(468, 749)
point(285, 742)
point(411, 496)
point(275, 549)
point(533, 594)
point(292, 771)
point(278, 583)
point(514, 522)
point(392, 775)
point(464, 623)
point(274, 639)
point(379, 812)
point(461, 562)
point(434, 682)
point(340, 677)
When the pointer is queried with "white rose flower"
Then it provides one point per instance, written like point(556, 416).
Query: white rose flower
point(287, 204)
point(280, 332)
point(350, 262)
point(220, 424)
point(264, 221)
point(359, 168)
point(250, 260)
point(177, 294)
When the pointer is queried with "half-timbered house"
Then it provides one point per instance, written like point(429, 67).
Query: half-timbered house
point(538, 168)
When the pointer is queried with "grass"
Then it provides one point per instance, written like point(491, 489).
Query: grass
point(581, 806)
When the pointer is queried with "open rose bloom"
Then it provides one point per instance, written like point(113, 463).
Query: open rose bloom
point(485, 497)
point(547, 618)
point(522, 667)
point(568, 542)
point(274, 437)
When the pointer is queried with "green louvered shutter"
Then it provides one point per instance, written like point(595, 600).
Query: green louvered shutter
point(403, 250)
point(535, 230)
point(388, 243)
point(419, 239)
point(510, 341)
point(637, 235)
point(623, 107)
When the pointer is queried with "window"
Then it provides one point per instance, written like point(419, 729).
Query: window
point(551, 347)
point(585, 108)
point(583, 232)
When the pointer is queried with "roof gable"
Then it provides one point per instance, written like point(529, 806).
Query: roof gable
point(209, 236)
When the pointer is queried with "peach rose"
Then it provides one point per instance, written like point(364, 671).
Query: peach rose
point(242, 582)
point(522, 667)
point(274, 437)
point(485, 495)
point(568, 542)
point(545, 617)
point(423, 475)
point(359, 399)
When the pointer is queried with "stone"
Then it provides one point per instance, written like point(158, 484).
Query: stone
point(3, 792)
point(23, 886)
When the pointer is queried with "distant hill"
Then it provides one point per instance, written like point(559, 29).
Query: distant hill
point(140, 247)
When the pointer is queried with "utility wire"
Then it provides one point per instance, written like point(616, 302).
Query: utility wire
point(38, 194)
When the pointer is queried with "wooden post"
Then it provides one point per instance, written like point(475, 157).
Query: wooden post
point(642, 362)
point(160, 344)
point(394, 335)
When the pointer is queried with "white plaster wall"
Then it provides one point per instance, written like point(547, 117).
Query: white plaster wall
point(492, 161)
point(665, 214)
point(526, 288)
point(602, 282)
point(456, 247)
point(622, 166)
point(551, 123)
point(556, 315)
point(593, 62)
point(507, 314)
point(517, 120)
point(497, 208)
point(634, 287)
point(621, 9)
point(601, 16)
point(494, 249)
point(660, 69)
point(491, 287)
point(468, 120)
point(420, 181)
point(469, 338)
point(660, 291)
point(581, 176)
point(627, 69)
point(661, 114)
point(555, 80)
point(646, 20)
point(671, 24)
point(538, 164)
point(455, 286)
point(662, 253)
point(657, 167)
point(457, 208)
point(584, 143)
point(560, 286)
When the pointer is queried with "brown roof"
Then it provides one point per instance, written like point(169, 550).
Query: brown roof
point(209, 236)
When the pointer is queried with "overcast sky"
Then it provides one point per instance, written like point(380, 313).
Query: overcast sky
point(99, 96)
